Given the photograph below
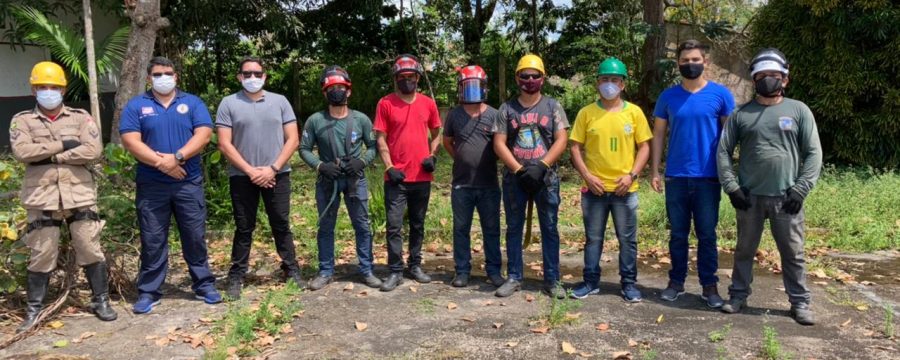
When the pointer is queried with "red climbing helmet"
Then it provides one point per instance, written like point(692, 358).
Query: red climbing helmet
point(407, 63)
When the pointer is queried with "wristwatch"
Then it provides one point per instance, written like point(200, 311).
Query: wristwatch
point(633, 176)
point(180, 157)
point(275, 169)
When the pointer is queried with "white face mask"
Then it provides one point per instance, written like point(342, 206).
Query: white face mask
point(163, 84)
point(253, 84)
point(608, 90)
point(49, 99)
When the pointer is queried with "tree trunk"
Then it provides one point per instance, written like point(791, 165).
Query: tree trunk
point(475, 24)
point(653, 50)
point(501, 77)
point(535, 43)
point(145, 23)
point(91, 62)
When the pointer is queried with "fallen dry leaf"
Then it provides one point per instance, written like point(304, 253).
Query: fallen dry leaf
point(603, 327)
point(164, 341)
point(665, 260)
point(413, 289)
point(512, 344)
point(572, 316)
point(363, 293)
point(632, 343)
point(585, 354)
point(487, 303)
point(55, 324)
point(231, 350)
point(529, 297)
point(361, 326)
point(656, 266)
point(287, 329)
point(540, 330)
point(621, 355)
point(467, 319)
point(266, 340)
point(660, 319)
point(845, 323)
point(498, 325)
point(348, 287)
point(83, 336)
point(819, 273)
point(568, 348)
point(862, 307)
point(205, 320)
point(452, 306)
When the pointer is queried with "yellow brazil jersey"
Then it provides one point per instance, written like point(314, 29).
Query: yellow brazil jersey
point(610, 140)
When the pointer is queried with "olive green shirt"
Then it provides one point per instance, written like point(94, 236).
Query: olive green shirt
point(779, 149)
point(316, 134)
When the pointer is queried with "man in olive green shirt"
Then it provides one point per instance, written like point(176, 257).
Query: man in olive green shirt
point(340, 133)
point(780, 161)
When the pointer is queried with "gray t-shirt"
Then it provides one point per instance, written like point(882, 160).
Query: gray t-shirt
point(531, 130)
point(257, 127)
point(475, 164)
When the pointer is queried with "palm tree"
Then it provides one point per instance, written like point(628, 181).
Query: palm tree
point(67, 46)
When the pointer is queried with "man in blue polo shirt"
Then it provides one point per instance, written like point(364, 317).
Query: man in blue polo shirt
point(166, 130)
point(693, 112)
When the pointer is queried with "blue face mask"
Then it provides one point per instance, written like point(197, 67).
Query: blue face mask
point(608, 90)
point(49, 99)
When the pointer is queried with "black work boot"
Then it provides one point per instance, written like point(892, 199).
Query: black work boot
point(36, 289)
point(297, 278)
point(98, 277)
point(460, 280)
point(419, 275)
point(393, 280)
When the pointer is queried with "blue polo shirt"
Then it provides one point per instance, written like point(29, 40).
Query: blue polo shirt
point(165, 129)
point(694, 128)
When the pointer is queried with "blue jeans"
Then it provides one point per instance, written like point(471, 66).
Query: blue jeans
point(464, 202)
point(156, 202)
point(356, 198)
point(596, 210)
point(515, 202)
point(697, 199)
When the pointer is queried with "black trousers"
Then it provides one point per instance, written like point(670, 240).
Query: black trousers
point(245, 203)
point(397, 199)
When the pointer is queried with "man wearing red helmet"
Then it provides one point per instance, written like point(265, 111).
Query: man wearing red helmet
point(468, 140)
point(340, 133)
point(404, 120)
point(258, 134)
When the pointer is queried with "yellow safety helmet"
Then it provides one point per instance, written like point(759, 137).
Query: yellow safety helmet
point(48, 73)
point(531, 61)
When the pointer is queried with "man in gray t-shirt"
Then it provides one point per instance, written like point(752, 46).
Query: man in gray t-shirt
point(258, 134)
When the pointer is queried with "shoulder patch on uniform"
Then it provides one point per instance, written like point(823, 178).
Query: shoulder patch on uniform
point(23, 113)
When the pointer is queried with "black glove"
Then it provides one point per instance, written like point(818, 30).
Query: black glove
point(352, 166)
point(429, 163)
point(739, 199)
point(531, 177)
point(395, 176)
point(329, 170)
point(70, 144)
point(793, 202)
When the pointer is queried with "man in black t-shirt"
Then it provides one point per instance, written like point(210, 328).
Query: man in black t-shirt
point(468, 139)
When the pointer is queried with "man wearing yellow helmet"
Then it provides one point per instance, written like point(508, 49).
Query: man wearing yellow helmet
point(529, 137)
point(56, 143)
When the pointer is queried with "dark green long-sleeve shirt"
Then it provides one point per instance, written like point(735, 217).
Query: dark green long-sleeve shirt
point(316, 134)
point(779, 149)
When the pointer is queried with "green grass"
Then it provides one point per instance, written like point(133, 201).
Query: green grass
point(771, 346)
point(426, 306)
point(243, 323)
point(720, 334)
point(888, 321)
point(559, 312)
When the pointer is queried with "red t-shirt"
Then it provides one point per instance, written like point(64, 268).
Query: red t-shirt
point(406, 128)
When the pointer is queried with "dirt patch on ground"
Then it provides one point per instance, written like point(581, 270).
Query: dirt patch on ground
point(437, 321)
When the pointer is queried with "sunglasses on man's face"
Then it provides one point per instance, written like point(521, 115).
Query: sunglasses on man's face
point(248, 74)
point(530, 76)
point(160, 74)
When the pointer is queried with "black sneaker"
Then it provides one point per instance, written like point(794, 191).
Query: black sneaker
point(672, 292)
point(393, 280)
point(372, 281)
point(711, 295)
point(802, 314)
point(496, 280)
point(557, 291)
point(233, 288)
point(419, 275)
point(508, 288)
point(320, 281)
point(734, 305)
point(460, 280)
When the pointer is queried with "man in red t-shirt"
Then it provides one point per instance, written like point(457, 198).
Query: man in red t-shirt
point(403, 122)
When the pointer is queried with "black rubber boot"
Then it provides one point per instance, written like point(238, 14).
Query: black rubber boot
point(98, 277)
point(36, 289)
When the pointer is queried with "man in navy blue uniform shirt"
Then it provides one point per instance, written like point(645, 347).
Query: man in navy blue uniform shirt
point(166, 130)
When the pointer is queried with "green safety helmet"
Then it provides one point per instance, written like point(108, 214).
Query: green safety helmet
point(612, 66)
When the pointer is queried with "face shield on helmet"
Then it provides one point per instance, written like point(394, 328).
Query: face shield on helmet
point(472, 91)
